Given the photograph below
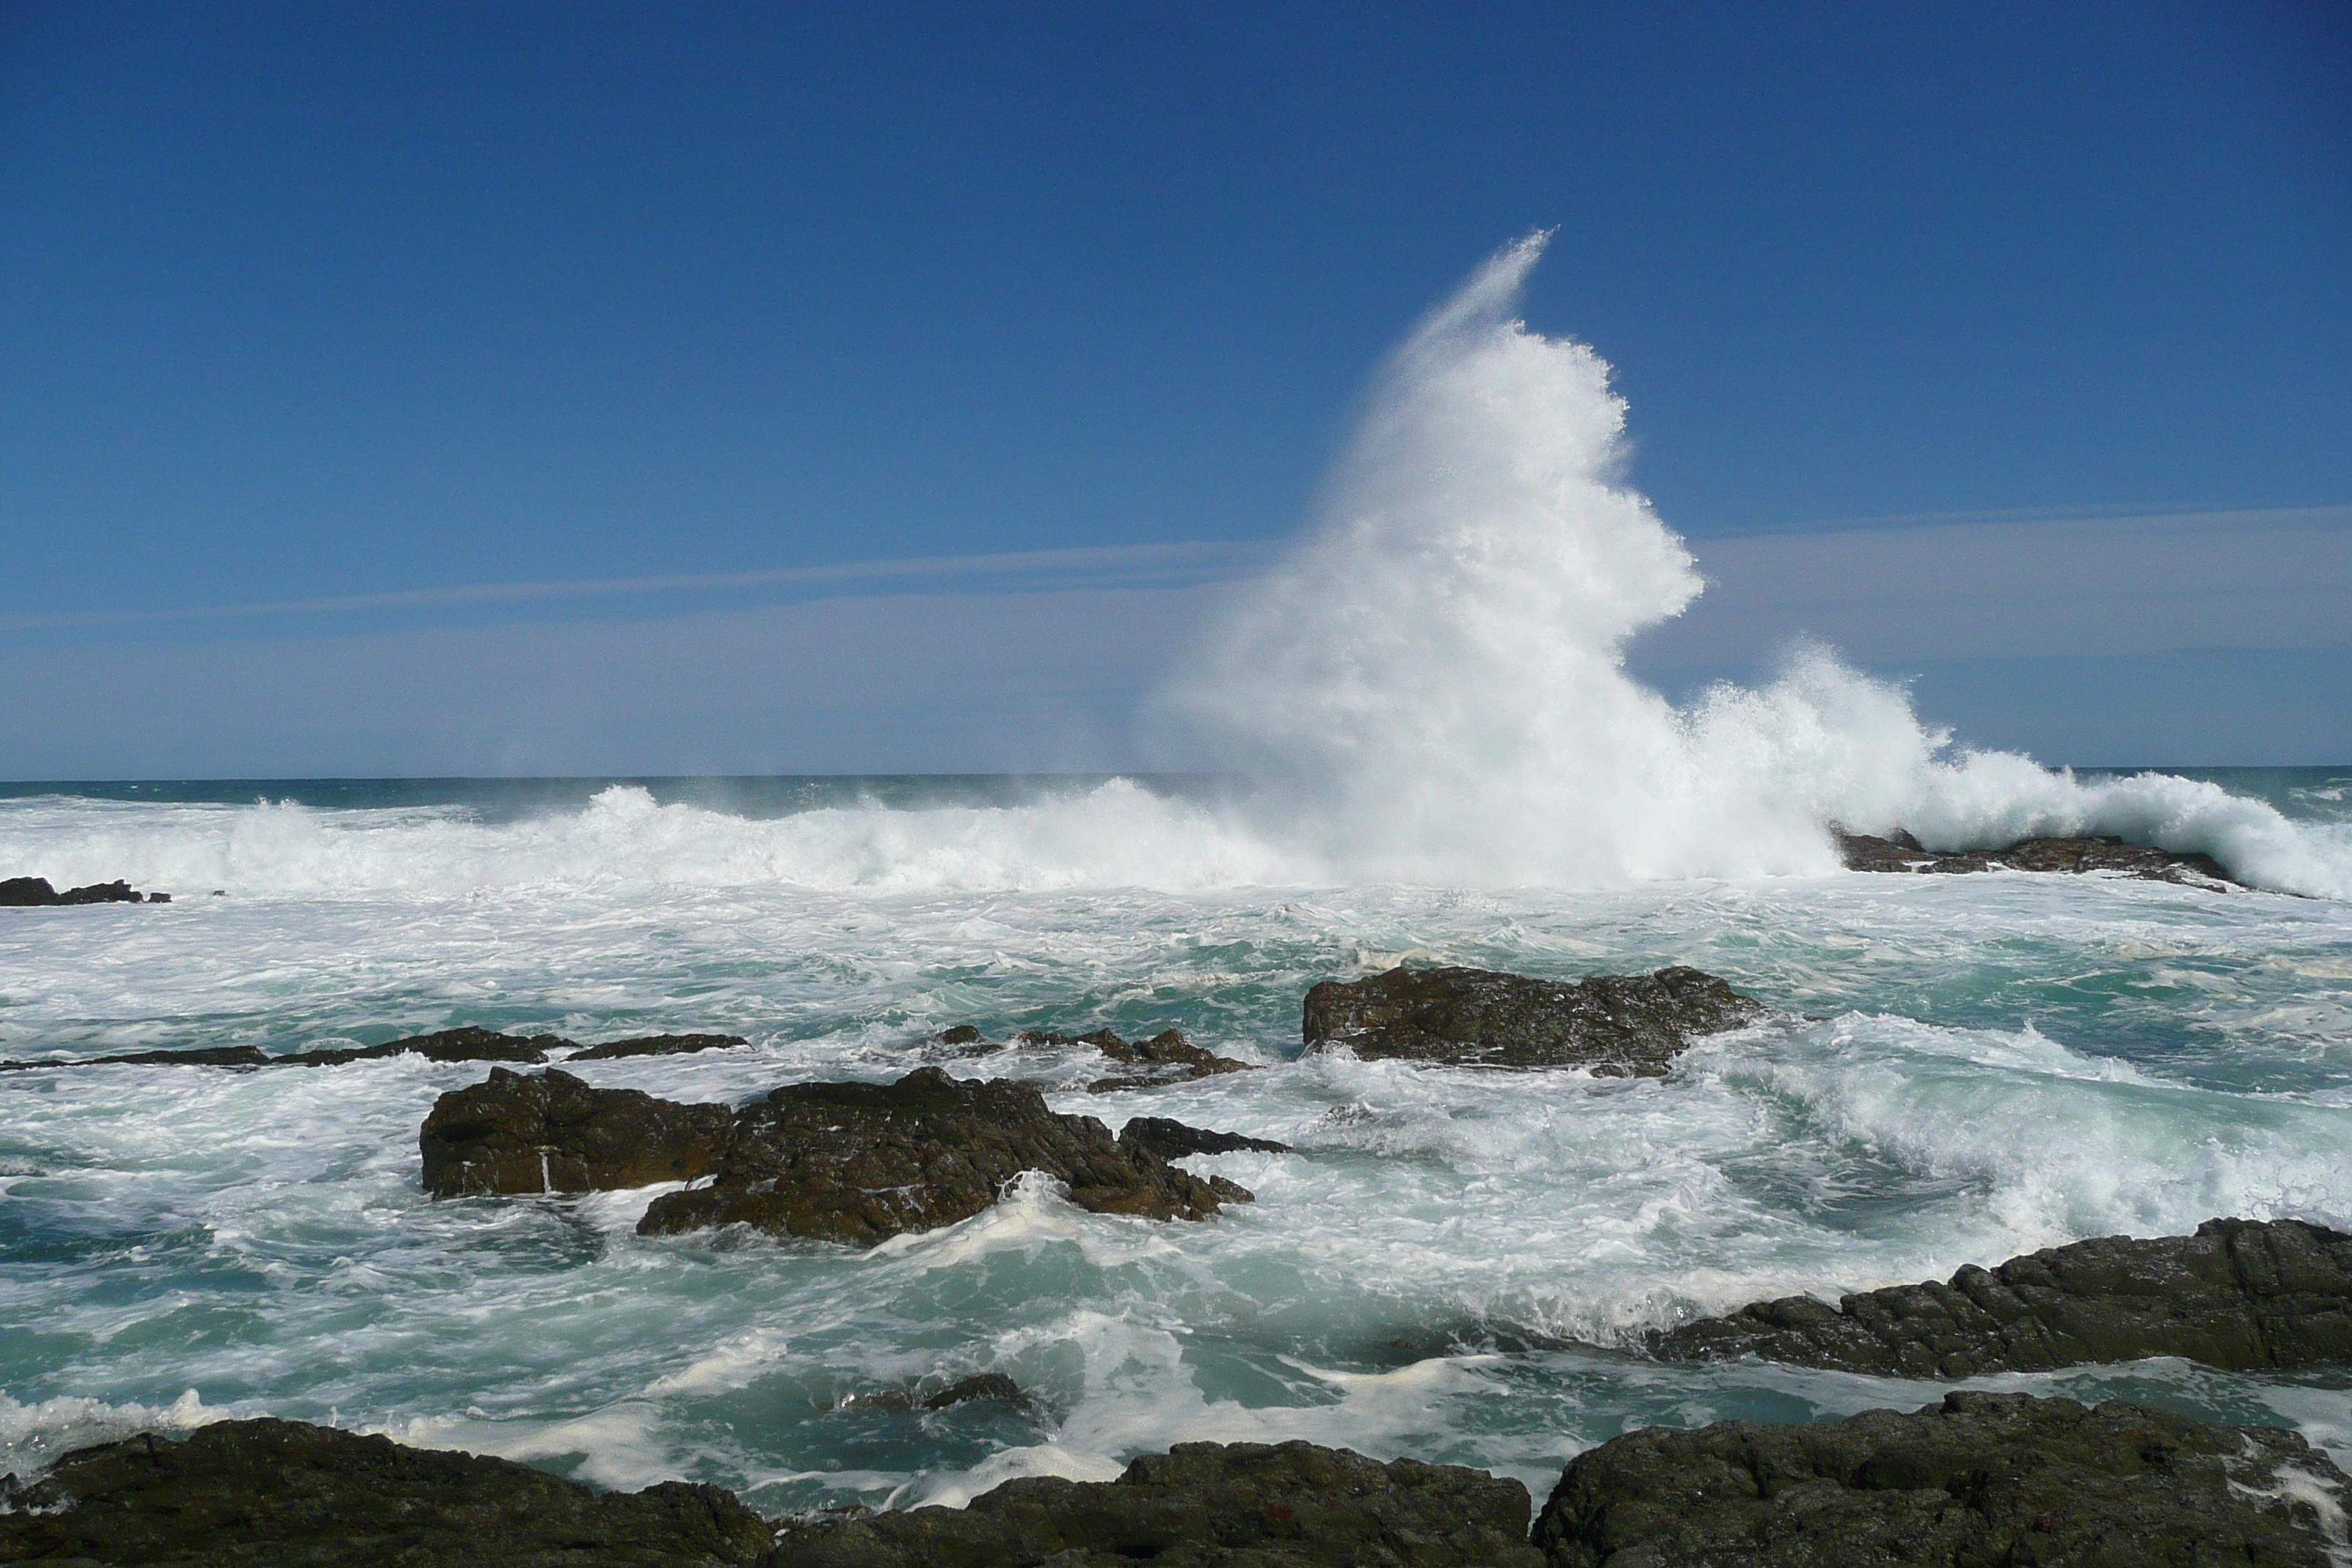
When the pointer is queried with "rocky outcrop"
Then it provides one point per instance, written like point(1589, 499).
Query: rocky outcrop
point(1166, 1058)
point(1615, 1024)
point(35, 892)
point(994, 1387)
point(469, 1044)
point(297, 1496)
point(656, 1046)
point(202, 1057)
point(1979, 1480)
point(2243, 1295)
point(860, 1163)
point(1899, 851)
point(1204, 1505)
point(553, 1134)
point(1167, 1140)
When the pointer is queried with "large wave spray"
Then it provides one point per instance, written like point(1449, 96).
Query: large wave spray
point(1431, 686)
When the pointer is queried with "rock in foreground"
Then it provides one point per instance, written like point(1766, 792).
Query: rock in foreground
point(1204, 1505)
point(296, 1496)
point(1982, 1479)
point(860, 1163)
point(553, 1134)
point(35, 892)
point(1899, 851)
point(1615, 1024)
point(2244, 1294)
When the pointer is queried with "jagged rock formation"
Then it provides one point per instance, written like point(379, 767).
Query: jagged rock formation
point(1204, 1505)
point(296, 1496)
point(1169, 1139)
point(1615, 1024)
point(1166, 1058)
point(35, 892)
point(1979, 1480)
point(656, 1046)
point(470, 1044)
point(553, 1134)
point(2244, 1294)
point(1899, 851)
point(860, 1163)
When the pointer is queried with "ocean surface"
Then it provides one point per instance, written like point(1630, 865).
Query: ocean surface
point(1453, 1265)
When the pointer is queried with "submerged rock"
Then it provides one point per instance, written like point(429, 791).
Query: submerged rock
point(553, 1134)
point(657, 1046)
point(1169, 1139)
point(288, 1494)
point(2244, 1294)
point(860, 1163)
point(1166, 1058)
point(35, 892)
point(1979, 1480)
point(470, 1044)
point(1616, 1025)
point(200, 1056)
point(1204, 1505)
point(1899, 851)
point(990, 1386)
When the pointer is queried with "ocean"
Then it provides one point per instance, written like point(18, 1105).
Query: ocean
point(1423, 745)
point(1455, 1264)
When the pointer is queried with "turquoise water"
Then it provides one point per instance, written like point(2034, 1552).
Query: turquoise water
point(1453, 1264)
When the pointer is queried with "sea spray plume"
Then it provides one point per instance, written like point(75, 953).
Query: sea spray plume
point(1430, 687)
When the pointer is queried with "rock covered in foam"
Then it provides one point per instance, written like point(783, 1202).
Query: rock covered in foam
point(553, 1133)
point(1899, 851)
point(2244, 1294)
point(35, 892)
point(287, 1493)
point(860, 1163)
point(1981, 1478)
point(1615, 1024)
point(1204, 1505)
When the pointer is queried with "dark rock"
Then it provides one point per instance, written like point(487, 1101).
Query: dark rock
point(979, 1385)
point(657, 1046)
point(1166, 1058)
point(1899, 851)
point(860, 1163)
point(202, 1057)
point(1982, 1479)
point(35, 892)
point(553, 1134)
point(297, 1496)
point(470, 1044)
point(958, 1035)
point(1173, 1141)
point(1204, 1505)
point(1615, 1024)
point(2243, 1295)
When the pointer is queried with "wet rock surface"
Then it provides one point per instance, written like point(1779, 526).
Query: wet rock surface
point(2243, 1295)
point(285, 1494)
point(657, 1046)
point(550, 1132)
point(470, 1044)
point(1899, 851)
point(1204, 1505)
point(1981, 1479)
point(860, 1163)
point(202, 1057)
point(1168, 1140)
point(1615, 1024)
point(35, 892)
point(1166, 1058)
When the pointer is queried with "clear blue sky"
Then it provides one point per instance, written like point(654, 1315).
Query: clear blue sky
point(326, 301)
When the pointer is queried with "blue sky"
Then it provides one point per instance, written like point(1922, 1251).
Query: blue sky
point(434, 388)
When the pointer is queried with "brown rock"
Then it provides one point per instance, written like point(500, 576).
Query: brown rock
point(656, 1046)
point(553, 1134)
point(1615, 1024)
point(1899, 851)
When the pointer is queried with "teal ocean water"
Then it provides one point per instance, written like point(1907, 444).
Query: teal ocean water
point(1453, 1265)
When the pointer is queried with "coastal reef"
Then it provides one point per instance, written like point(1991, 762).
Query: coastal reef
point(1899, 851)
point(467, 1043)
point(2242, 1295)
point(1163, 1058)
point(1614, 1025)
point(850, 1162)
point(1980, 1480)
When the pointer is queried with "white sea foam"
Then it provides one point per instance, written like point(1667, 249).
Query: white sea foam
point(33, 1436)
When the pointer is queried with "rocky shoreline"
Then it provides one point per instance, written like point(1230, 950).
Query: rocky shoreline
point(1976, 1479)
